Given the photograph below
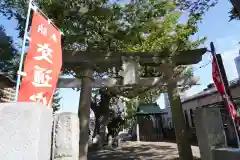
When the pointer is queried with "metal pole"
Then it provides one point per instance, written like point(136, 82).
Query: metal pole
point(214, 56)
point(62, 104)
point(23, 49)
point(51, 99)
point(53, 137)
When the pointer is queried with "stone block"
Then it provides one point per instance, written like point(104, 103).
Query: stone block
point(226, 154)
point(66, 136)
point(130, 72)
point(25, 130)
point(210, 131)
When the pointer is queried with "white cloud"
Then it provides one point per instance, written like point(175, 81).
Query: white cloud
point(229, 64)
point(229, 49)
point(228, 57)
point(226, 43)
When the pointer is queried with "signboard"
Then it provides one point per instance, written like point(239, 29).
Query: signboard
point(43, 62)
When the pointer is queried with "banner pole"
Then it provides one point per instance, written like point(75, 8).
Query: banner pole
point(23, 50)
point(213, 51)
point(51, 99)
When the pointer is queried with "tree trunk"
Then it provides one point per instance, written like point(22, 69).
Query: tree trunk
point(184, 148)
point(84, 111)
point(102, 116)
point(99, 131)
point(103, 124)
point(96, 134)
point(103, 112)
point(97, 125)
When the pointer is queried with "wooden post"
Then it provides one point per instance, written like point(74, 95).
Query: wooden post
point(137, 131)
point(84, 111)
point(137, 120)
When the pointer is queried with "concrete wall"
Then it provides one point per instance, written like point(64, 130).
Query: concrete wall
point(25, 131)
point(197, 103)
point(167, 118)
point(209, 99)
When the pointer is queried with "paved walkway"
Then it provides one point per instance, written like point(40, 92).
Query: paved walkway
point(142, 151)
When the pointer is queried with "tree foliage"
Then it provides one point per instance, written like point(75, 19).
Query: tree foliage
point(8, 52)
point(56, 101)
point(100, 25)
point(166, 35)
point(234, 15)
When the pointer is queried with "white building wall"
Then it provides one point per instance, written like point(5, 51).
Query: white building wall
point(167, 118)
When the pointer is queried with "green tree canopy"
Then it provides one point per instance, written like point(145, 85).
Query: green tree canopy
point(8, 52)
point(56, 101)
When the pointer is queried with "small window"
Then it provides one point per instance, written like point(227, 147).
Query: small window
point(192, 114)
point(186, 118)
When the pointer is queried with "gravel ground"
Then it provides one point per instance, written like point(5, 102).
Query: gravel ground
point(141, 151)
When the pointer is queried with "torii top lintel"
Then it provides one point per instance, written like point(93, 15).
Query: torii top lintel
point(77, 58)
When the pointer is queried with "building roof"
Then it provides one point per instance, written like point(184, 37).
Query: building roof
point(149, 108)
point(6, 81)
point(209, 91)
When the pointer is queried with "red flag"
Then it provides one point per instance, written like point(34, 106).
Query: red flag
point(43, 62)
point(217, 79)
point(216, 76)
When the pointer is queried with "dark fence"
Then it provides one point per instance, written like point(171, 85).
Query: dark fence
point(150, 127)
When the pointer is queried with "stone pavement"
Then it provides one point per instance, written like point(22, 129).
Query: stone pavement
point(142, 151)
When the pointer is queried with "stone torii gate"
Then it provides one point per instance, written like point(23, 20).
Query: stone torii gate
point(112, 82)
point(101, 62)
point(127, 61)
point(89, 62)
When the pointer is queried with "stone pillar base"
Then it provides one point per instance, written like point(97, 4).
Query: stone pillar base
point(66, 136)
point(210, 131)
point(25, 131)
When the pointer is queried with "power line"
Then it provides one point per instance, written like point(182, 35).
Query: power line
point(203, 66)
point(209, 62)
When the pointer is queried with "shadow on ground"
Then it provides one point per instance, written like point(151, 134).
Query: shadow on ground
point(137, 152)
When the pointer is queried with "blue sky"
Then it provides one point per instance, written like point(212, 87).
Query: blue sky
point(215, 27)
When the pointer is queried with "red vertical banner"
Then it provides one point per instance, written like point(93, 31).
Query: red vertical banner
point(43, 62)
point(218, 81)
point(216, 76)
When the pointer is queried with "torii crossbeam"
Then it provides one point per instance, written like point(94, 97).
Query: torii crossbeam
point(111, 82)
